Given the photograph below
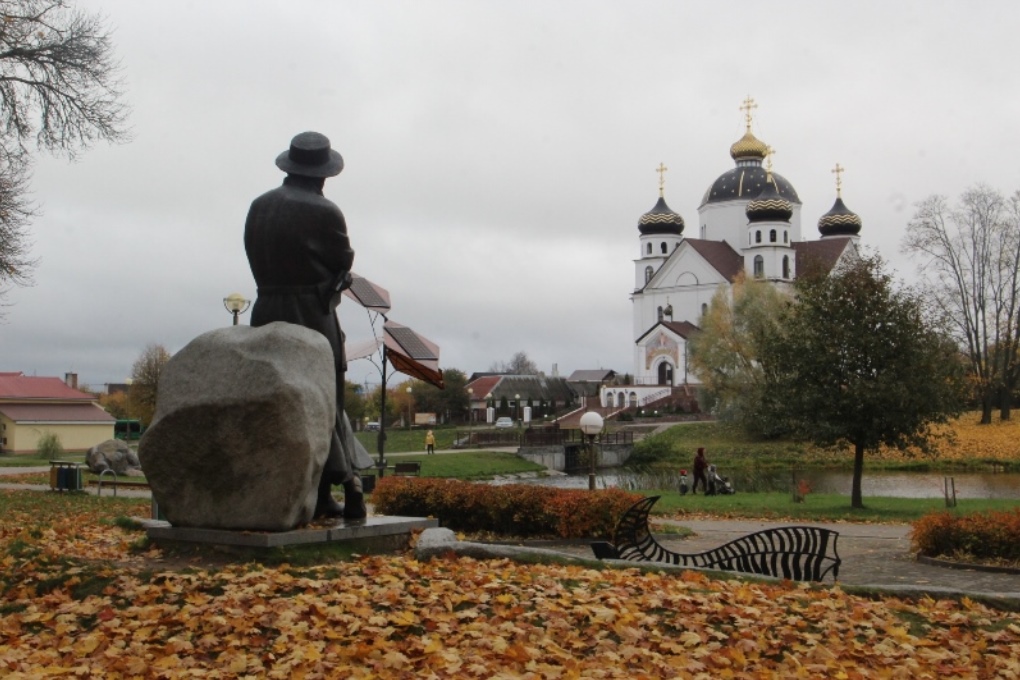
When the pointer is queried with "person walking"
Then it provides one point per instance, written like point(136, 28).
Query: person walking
point(700, 466)
point(430, 443)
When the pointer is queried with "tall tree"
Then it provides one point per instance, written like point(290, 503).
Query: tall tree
point(724, 354)
point(970, 261)
point(448, 403)
point(857, 362)
point(145, 381)
point(59, 92)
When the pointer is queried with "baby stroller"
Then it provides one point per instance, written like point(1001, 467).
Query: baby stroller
point(718, 485)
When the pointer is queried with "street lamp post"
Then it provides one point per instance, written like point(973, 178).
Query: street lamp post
point(471, 407)
point(591, 425)
point(409, 408)
point(236, 304)
point(517, 406)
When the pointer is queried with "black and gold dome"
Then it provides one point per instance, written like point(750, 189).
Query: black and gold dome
point(769, 206)
point(661, 220)
point(744, 182)
point(840, 221)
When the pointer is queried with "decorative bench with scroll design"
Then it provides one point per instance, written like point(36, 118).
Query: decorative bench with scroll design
point(799, 553)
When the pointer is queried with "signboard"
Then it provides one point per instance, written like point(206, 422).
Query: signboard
point(424, 418)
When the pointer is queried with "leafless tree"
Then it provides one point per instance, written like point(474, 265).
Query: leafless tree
point(145, 380)
point(519, 364)
point(970, 261)
point(59, 92)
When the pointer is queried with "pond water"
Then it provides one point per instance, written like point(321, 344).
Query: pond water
point(877, 483)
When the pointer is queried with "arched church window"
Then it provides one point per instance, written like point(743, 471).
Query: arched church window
point(704, 308)
point(772, 236)
point(759, 266)
point(648, 250)
point(786, 266)
point(786, 236)
point(648, 272)
point(757, 237)
point(663, 246)
point(660, 313)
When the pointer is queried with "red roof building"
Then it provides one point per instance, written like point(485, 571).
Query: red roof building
point(33, 406)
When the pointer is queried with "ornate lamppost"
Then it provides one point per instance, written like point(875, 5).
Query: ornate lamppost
point(591, 425)
point(236, 304)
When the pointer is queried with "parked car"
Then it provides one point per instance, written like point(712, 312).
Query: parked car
point(371, 427)
point(504, 422)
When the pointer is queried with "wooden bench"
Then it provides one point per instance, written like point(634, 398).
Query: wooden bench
point(799, 553)
point(407, 469)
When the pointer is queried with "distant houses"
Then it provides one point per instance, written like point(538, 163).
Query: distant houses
point(33, 406)
point(529, 398)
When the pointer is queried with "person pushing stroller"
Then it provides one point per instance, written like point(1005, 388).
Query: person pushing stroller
point(700, 467)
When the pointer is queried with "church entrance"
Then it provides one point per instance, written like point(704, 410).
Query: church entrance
point(666, 373)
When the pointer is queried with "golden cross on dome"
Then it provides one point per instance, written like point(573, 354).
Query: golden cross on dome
point(662, 177)
point(748, 106)
point(838, 172)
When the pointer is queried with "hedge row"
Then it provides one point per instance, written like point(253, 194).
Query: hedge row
point(991, 535)
point(512, 510)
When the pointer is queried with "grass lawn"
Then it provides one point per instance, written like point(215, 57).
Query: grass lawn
point(816, 507)
point(470, 464)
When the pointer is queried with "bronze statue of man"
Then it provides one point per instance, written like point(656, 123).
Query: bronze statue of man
point(298, 250)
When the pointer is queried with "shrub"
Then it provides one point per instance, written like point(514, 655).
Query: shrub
point(512, 509)
point(49, 446)
point(993, 535)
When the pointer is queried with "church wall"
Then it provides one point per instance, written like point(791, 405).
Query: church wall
point(686, 286)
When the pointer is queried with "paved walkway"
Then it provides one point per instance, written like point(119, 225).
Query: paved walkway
point(874, 555)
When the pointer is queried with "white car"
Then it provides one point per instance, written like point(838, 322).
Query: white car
point(504, 422)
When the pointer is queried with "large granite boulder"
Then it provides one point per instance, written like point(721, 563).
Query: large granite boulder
point(113, 454)
point(242, 428)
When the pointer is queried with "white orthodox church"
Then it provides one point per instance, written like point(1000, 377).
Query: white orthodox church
point(749, 220)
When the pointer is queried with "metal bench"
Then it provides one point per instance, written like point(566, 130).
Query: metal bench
point(407, 469)
point(799, 553)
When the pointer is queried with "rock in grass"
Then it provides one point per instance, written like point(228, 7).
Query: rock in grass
point(113, 454)
point(242, 428)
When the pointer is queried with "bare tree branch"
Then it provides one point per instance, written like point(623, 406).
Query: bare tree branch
point(60, 93)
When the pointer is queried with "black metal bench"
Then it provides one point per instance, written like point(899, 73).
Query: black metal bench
point(799, 553)
point(407, 469)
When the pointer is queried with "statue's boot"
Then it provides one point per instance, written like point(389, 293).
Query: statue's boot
point(354, 499)
point(326, 505)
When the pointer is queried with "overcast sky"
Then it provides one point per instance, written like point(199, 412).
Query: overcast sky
point(498, 156)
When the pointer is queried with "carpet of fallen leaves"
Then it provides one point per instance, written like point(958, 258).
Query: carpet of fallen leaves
point(969, 441)
point(78, 601)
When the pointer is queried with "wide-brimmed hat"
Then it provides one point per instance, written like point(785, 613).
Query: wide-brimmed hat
point(309, 155)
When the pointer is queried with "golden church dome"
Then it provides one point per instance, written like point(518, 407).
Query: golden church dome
point(749, 146)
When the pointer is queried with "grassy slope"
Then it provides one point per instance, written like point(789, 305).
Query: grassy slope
point(968, 445)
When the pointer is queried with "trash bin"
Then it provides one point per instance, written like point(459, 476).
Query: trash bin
point(65, 476)
point(368, 483)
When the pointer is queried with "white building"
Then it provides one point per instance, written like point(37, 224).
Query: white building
point(749, 220)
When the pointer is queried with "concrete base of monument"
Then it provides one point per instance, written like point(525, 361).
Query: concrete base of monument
point(372, 534)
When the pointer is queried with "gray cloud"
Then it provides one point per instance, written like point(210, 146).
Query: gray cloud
point(498, 156)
